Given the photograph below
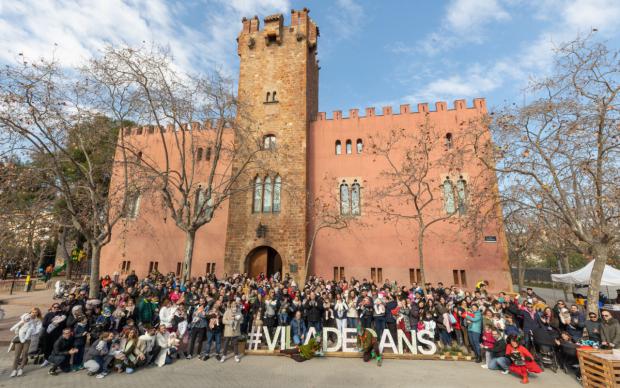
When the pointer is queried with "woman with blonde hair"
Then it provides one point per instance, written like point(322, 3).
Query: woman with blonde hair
point(27, 332)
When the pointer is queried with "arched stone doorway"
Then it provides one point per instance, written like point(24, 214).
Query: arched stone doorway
point(263, 259)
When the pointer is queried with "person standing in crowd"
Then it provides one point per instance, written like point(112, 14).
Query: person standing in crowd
point(27, 332)
point(313, 311)
point(52, 326)
point(352, 314)
point(232, 329)
point(474, 330)
point(378, 316)
point(340, 311)
point(610, 331)
point(214, 331)
point(198, 329)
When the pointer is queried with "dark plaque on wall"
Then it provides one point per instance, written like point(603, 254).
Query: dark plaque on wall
point(490, 239)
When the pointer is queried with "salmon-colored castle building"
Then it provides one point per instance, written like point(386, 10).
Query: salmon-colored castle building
point(309, 157)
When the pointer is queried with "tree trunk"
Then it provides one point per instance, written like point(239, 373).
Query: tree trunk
point(421, 256)
point(95, 252)
point(190, 239)
point(566, 267)
point(520, 273)
point(600, 259)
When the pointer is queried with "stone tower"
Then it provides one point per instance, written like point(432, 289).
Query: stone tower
point(278, 94)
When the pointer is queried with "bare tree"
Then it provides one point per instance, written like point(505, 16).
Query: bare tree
point(47, 111)
point(324, 213)
point(559, 154)
point(426, 183)
point(197, 120)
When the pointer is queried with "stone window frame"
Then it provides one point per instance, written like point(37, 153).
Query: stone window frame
point(349, 182)
point(460, 200)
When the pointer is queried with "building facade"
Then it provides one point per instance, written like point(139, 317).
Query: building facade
point(309, 157)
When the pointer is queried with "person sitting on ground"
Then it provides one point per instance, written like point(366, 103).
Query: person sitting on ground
point(147, 345)
point(498, 359)
point(522, 360)
point(97, 356)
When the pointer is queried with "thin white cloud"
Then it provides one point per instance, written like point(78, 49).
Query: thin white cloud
point(566, 20)
point(345, 18)
point(74, 30)
point(463, 23)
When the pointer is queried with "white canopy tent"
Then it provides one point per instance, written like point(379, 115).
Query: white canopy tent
point(611, 276)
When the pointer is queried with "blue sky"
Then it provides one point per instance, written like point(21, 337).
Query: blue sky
point(372, 53)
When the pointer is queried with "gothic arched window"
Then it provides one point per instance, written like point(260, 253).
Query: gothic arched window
point(277, 188)
point(355, 199)
point(338, 147)
point(268, 195)
point(345, 202)
point(349, 147)
point(448, 196)
point(359, 146)
point(258, 194)
point(461, 192)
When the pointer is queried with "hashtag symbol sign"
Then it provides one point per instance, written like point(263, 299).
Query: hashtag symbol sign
point(256, 335)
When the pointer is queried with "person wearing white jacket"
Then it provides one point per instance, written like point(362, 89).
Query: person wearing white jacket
point(27, 332)
point(166, 314)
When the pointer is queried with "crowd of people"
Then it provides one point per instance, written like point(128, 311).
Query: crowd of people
point(136, 323)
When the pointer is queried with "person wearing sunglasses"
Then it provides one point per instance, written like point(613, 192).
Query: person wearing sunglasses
point(593, 327)
point(610, 331)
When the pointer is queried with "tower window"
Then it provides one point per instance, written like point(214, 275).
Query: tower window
point(269, 142)
point(461, 194)
point(268, 98)
point(258, 194)
point(355, 198)
point(448, 196)
point(208, 153)
point(448, 140)
point(338, 147)
point(199, 154)
point(345, 201)
point(349, 147)
point(273, 97)
point(359, 145)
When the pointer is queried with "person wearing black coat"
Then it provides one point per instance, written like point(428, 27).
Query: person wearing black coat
point(51, 331)
point(390, 321)
point(313, 309)
point(62, 351)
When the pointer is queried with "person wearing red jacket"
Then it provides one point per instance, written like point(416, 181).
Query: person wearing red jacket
point(522, 361)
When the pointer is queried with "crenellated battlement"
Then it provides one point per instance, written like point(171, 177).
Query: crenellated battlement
point(274, 29)
point(440, 106)
point(153, 129)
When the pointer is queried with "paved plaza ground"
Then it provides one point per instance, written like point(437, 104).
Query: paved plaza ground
point(267, 371)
